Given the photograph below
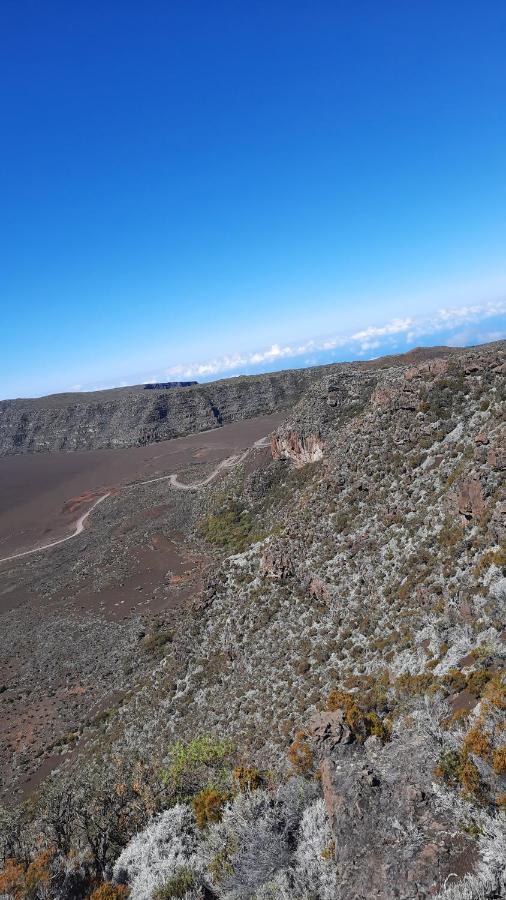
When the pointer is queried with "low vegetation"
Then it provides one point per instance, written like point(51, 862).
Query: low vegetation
point(370, 582)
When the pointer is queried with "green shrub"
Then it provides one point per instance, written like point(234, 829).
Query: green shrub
point(190, 763)
point(178, 885)
point(231, 527)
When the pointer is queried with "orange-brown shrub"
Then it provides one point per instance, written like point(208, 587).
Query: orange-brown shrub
point(478, 741)
point(457, 769)
point(248, 778)
point(495, 691)
point(470, 777)
point(12, 879)
point(108, 891)
point(499, 761)
point(300, 754)
point(362, 722)
point(208, 806)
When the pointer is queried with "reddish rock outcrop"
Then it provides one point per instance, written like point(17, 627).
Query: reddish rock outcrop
point(496, 458)
point(299, 448)
point(433, 368)
point(319, 590)
point(470, 500)
point(498, 521)
point(328, 729)
point(396, 396)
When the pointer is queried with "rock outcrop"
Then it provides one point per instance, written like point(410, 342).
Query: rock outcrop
point(299, 448)
point(389, 841)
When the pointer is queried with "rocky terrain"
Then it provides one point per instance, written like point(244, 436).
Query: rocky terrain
point(321, 713)
point(125, 417)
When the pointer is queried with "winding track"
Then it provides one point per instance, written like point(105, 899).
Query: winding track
point(174, 482)
point(79, 526)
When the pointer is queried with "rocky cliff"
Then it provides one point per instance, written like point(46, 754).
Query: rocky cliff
point(125, 417)
point(129, 416)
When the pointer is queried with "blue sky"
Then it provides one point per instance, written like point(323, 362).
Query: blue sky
point(199, 189)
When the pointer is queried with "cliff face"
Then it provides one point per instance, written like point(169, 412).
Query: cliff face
point(296, 447)
point(123, 418)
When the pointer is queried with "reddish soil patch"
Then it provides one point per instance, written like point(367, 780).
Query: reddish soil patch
point(51, 761)
point(468, 660)
point(79, 504)
point(164, 574)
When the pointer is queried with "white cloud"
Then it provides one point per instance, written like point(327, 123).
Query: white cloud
point(396, 326)
point(360, 342)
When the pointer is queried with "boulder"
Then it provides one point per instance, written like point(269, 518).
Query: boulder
point(319, 590)
point(276, 563)
point(327, 729)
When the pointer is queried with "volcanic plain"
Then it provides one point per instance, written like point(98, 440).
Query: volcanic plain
point(79, 619)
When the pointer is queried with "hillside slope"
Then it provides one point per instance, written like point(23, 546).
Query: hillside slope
point(352, 632)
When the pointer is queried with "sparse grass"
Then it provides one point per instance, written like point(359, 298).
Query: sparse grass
point(450, 534)
point(491, 558)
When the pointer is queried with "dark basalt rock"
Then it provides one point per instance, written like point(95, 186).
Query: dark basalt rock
point(389, 841)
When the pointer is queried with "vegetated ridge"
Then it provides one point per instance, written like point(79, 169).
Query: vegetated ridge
point(325, 719)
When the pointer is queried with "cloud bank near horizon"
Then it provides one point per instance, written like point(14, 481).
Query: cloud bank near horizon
point(458, 325)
